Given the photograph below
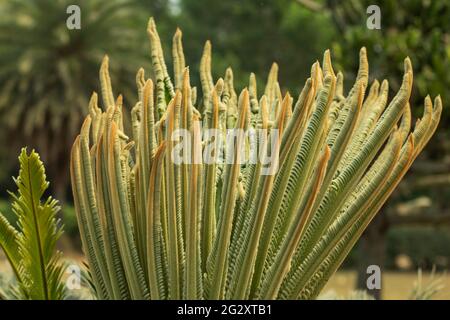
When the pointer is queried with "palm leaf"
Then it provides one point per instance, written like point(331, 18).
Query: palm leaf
point(35, 262)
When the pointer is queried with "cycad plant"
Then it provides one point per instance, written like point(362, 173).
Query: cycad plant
point(153, 227)
point(31, 247)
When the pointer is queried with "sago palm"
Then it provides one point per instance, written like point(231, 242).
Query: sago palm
point(155, 228)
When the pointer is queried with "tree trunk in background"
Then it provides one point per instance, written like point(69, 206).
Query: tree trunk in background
point(372, 251)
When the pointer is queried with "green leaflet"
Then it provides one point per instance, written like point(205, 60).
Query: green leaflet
point(217, 263)
point(208, 218)
point(258, 208)
point(113, 260)
point(303, 165)
point(120, 209)
point(8, 239)
point(348, 176)
point(105, 81)
point(81, 212)
point(193, 274)
point(271, 285)
point(174, 222)
point(154, 233)
point(92, 216)
point(335, 258)
point(358, 201)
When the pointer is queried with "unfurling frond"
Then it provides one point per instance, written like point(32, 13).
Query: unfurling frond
point(265, 203)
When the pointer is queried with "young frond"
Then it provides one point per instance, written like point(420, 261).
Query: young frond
point(236, 196)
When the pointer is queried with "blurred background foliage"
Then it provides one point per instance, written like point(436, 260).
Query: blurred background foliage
point(47, 74)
